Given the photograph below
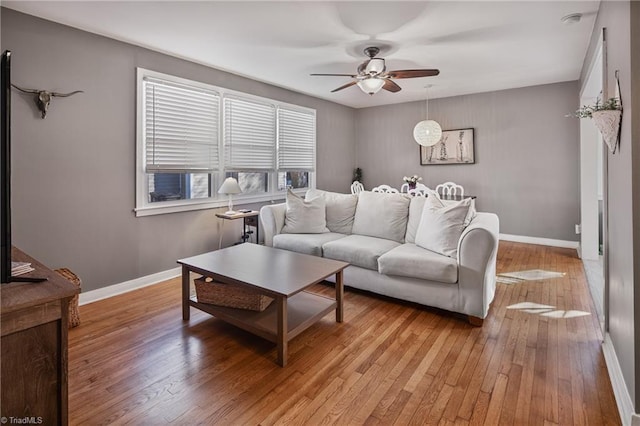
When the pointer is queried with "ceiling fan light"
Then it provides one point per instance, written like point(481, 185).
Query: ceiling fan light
point(427, 132)
point(375, 66)
point(371, 85)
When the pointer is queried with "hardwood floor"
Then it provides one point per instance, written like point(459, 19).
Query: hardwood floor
point(134, 361)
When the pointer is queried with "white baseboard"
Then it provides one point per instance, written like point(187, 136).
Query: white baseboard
point(620, 391)
point(540, 241)
point(114, 290)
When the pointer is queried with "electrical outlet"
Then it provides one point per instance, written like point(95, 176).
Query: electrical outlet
point(578, 229)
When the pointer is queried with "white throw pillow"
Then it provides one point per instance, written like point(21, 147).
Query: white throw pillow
point(472, 213)
point(304, 216)
point(340, 209)
point(381, 215)
point(415, 214)
point(472, 210)
point(441, 225)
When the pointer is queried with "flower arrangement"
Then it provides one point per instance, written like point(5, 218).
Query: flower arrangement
point(606, 117)
point(412, 179)
point(612, 104)
point(357, 174)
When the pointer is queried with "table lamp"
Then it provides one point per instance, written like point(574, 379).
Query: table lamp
point(230, 186)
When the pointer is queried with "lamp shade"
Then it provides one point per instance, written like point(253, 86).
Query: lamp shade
point(427, 132)
point(371, 85)
point(230, 186)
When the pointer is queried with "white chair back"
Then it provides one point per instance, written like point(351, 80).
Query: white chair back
point(450, 189)
point(356, 187)
point(385, 188)
point(421, 190)
point(418, 192)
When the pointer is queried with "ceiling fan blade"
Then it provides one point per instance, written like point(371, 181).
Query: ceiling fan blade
point(345, 86)
point(391, 86)
point(335, 75)
point(411, 73)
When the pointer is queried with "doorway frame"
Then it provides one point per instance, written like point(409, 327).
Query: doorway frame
point(597, 66)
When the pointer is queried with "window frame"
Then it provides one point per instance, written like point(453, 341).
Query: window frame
point(146, 208)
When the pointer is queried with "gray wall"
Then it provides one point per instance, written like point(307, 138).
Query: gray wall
point(74, 172)
point(623, 253)
point(527, 154)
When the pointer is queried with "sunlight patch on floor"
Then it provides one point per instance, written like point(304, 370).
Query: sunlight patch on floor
point(547, 310)
point(565, 314)
point(530, 275)
point(529, 305)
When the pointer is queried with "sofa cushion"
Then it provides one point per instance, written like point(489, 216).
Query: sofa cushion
point(381, 215)
point(340, 209)
point(409, 260)
point(304, 216)
point(305, 243)
point(415, 214)
point(358, 250)
point(441, 226)
point(472, 209)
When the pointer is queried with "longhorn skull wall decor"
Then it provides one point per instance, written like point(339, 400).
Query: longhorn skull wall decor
point(43, 97)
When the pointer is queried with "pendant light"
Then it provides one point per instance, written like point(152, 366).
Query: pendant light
point(427, 132)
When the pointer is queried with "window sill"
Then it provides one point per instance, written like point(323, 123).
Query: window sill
point(166, 208)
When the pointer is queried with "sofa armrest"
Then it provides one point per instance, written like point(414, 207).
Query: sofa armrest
point(477, 254)
point(271, 221)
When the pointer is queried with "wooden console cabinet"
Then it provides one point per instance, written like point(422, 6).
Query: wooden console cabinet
point(33, 324)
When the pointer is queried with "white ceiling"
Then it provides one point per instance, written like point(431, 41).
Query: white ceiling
point(478, 46)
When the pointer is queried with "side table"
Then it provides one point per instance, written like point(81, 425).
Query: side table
point(248, 219)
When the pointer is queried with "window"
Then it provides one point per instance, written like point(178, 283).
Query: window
point(249, 143)
point(180, 140)
point(181, 127)
point(249, 135)
point(296, 148)
point(296, 140)
point(192, 135)
point(178, 186)
point(251, 182)
point(293, 180)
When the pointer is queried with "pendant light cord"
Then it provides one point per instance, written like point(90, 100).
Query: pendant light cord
point(427, 101)
point(427, 116)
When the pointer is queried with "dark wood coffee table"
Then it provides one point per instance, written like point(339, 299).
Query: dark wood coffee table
point(281, 274)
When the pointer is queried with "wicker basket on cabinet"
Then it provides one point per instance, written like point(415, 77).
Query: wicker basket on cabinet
point(74, 313)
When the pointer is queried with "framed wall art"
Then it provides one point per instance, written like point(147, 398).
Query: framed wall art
point(455, 147)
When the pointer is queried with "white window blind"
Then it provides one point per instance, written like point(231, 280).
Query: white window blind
point(249, 134)
point(181, 125)
point(296, 140)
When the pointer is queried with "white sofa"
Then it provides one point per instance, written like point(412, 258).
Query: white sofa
point(376, 234)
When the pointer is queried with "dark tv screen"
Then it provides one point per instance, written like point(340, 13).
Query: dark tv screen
point(5, 169)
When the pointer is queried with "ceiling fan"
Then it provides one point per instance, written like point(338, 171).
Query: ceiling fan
point(373, 75)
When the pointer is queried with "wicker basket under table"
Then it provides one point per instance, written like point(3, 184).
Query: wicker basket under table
point(230, 295)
